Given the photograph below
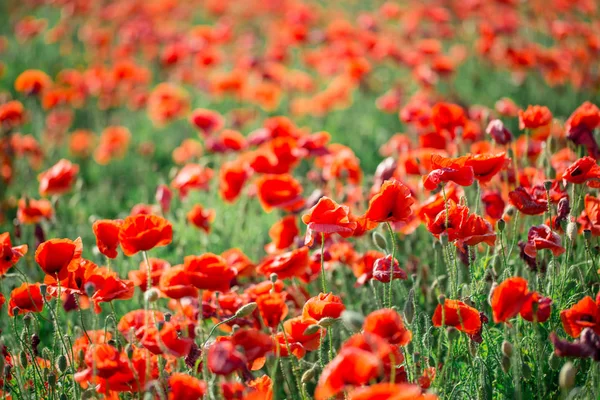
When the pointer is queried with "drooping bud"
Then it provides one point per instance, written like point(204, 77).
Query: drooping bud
point(352, 320)
point(311, 330)
point(379, 240)
point(505, 364)
point(326, 322)
point(246, 310)
point(501, 224)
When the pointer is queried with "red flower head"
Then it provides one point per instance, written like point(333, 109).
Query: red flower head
point(590, 216)
point(529, 201)
point(32, 82)
point(207, 121)
point(143, 233)
point(25, 298)
point(33, 211)
point(279, 191)
point(542, 305)
point(584, 314)
point(446, 170)
point(283, 234)
point(388, 324)
point(107, 236)
point(486, 166)
point(12, 115)
point(108, 287)
point(392, 203)
point(583, 170)
point(542, 237)
point(209, 272)
point(295, 328)
point(201, 218)
point(57, 256)
point(494, 205)
point(499, 132)
point(449, 117)
point(287, 265)
point(59, 178)
point(327, 217)
point(381, 270)
point(534, 117)
point(185, 386)
point(363, 267)
point(192, 177)
point(272, 308)
point(224, 359)
point(508, 298)
point(232, 176)
point(176, 284)
point(581, 125)
point(459, 315)
point(9, 255)
point(322, 306)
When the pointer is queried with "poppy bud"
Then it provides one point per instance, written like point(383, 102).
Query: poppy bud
point(572, 231)
point(562, 211)
point(16, 310)
point(151, 295)
point(63, 397)
point(352, 320)
point(441, 299)
point(311, 330)
point(587, 234)
point(235, 328)
point(379, 240)
point(273, 277)
point(554, 361)
point(326, 322)
point(43, 288)
point(309, 375)
point(499, 132)
point(547, 185)
point(129, 351)
point(167, 316)
point(90, 289)
point(409, 306)
point(501, 224)
point(510, 211)
point(505, 364)
point(566, 377)
point(62, 363)
point(526, 370)
point(246, 310)
point(507, 348)
point(51, 380)
point(23, 358)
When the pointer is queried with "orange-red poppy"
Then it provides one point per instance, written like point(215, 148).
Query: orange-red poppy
point(529, 201)
point(536, 308)
point(12, 115)
point(486, 166)
point(295, 329)
point(57, 256)
point(390, 391)
point(448, 117)
point(207, 121)
point(201, 218)
point(324, 305)
point(114, 142)
point(26, 298)
point(272, 308)
point(508, 298)
point(232, 177)
point(327, 217)
point(139, 277)
point(287, 265)
point(446, 170)
point(279, 191)
point(590, 216)
point(32, 211)
point(387, 324)
point(108, 287)
point(192, 177)
point(176, 284)
point(584, 314)
point(209, 272)
point(185, 386)
point(107, 236)
point(534, 117)
point(32, 82)
point(391, 204)
point(459, 315)
point(283, 234)
point(143, 233)
point(9, 255)
point(583, 170)
point(237, 260)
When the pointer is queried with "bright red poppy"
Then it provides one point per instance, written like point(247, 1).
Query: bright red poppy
point(324, 305)
point(584, 314)
point(583, 170)
point(25, 298)
point(107, 236)
point(185, 386)
point(534, 117)
point(143, 233)
point(286, 265)
point(32, 211)
point(446, 170)
point(388, 324)
point(272, 308)
point(201, 218)
point(327, 217)
point(279, 191)
point(508, 298)
point(459, 315)
point(176, 283)
point(283, 234)
point(9, 255)
point(57, 256)
point(209, 272)
point(391, 204)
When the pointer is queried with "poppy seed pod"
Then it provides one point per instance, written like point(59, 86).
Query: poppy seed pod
point(441, 299)
point(23, 358)
point(566, 377)
point(167, 316)
point(246, 310)
point(62, 363)
point(273, 277)
point(547, 185)
point(554, 361)
point(587, 234)
point(352, 320)
point(43, 288)
point(129, 351)
point(51, 380)
point(90, 289)
point(27, 319)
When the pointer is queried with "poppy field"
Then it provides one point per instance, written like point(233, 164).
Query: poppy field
point(299, 199)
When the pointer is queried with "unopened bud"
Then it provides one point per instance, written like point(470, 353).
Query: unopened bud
point(326, 322)
point(587, 234)
point(51, 380)
point(526, 369)
point(442, 299)
point(23, 358)
point(151, 295)
point(311, 329)
point(273, 277)
point(43, 289)
point(309, 375)
point(353, 320)
point(566, 377)
point(505, 364)
point(129, 351)
point(409, 306)
point(379, 240)
point(507, 348)
point(168, 316)
point(246, 310)
point(62, 363)
point(547, 185)
point(27, 319)
point(554, 361)
point(235, 328)
point(501, 224)
point(572, 231)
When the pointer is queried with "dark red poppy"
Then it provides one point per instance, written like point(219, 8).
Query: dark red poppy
point(528, 201)
point(542, 237)
point(382, 267)
point(541, 305)
point(493, 204)
point(224, 359)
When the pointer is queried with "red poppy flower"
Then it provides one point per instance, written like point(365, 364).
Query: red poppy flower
point(450, 222)
point(105, 359)
point(32, 211)
point(209, 272)
point(185, 386)
point(542, 305)
point(351, 367)
point(459, 315)
point(322, 306)
point(493, 204)
point(295, 329)
point(207, 121)
point(381, 270)
point(542, 237)
point(287, 265)
point(581, 125)
point(9, 255)
point(58, 256)
point(388, 324)
point(390, 391)
point(436, 204)
point(583, 170)
point(363, 267)
point(584, 314)
point(143, 233)
point(508, 298)
point(12, 115)
point(499, 132)
point(224, 359)
point(107, 236)
point(272, 308)
point(448, 116)
point(189, 150)
point(240, 262)
point(590, 216)
point(279, 191)
point(139, 277)
point(32, 82)
point(283, 234)
point(192, 177)
point(201, 218)
point(392, 203)
point(534, 117)
point(486, 166)
point(114, 142)
point(446, 170)
point(256, 345)
point(528, 201)
point(232, 176)
point(176, 284)
point(26, 298)
point(327, 217)
point(476, 230)
point(108, 287)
